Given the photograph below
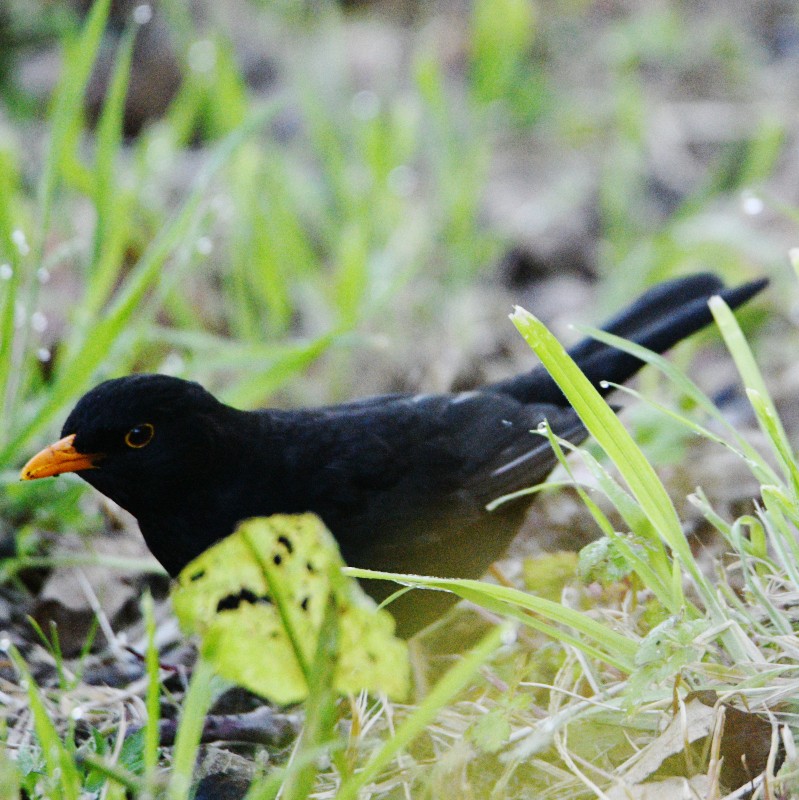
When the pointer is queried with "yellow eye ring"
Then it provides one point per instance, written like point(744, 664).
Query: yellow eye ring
point(139, 436)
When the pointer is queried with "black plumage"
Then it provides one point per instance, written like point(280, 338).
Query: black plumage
point(402, 481)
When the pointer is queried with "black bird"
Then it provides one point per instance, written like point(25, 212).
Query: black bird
point(402, 481)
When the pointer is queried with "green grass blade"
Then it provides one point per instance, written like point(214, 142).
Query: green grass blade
point(756, 388)
point(153, 696)
point(442, 693)
point(110, 207)
point(67, 109)
point(261, 381)
point(127, 784)
point(108, 138)
point(320, 710)
point(65, 123)
point(781, 534)
point(654, 570)
point(618, 646)
point(61, 772)
point(687, 387)
point(9, 287)
point(195, 706)
point(605, 427)
point(655, 577)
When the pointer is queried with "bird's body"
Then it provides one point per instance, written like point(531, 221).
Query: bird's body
point(402, 481)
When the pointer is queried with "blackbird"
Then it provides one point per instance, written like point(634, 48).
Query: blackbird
point(401, 480)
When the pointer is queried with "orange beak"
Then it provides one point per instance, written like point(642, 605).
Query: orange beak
point(57, 458)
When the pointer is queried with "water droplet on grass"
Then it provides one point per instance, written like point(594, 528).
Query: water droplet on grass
point(18, 237)
point(38, 322)
point(752, 204)
point(142, 14)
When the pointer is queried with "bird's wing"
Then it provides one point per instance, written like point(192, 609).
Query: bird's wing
point(404, 483)
point(474, 446)
point(509, 451)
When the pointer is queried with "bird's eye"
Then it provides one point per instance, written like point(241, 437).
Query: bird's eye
point(139, 436)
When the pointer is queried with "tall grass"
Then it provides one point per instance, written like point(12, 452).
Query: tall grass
point(283, 249)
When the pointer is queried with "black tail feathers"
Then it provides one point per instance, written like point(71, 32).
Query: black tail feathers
point(661, 317)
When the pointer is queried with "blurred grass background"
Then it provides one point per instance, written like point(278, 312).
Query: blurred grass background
point(303, 202)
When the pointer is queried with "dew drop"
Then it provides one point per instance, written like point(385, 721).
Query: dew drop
point(173, 364)
point(18, 237)
point(752, 204)
point(509, 636)
point(38, 322)
point(142, 14)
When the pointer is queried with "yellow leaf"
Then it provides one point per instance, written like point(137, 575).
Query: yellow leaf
point(257, 599)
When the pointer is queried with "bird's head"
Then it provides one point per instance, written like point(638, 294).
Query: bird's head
point(134, 437)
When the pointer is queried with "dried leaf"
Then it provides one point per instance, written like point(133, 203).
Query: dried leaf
point(695, 723)
point(668, 789)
